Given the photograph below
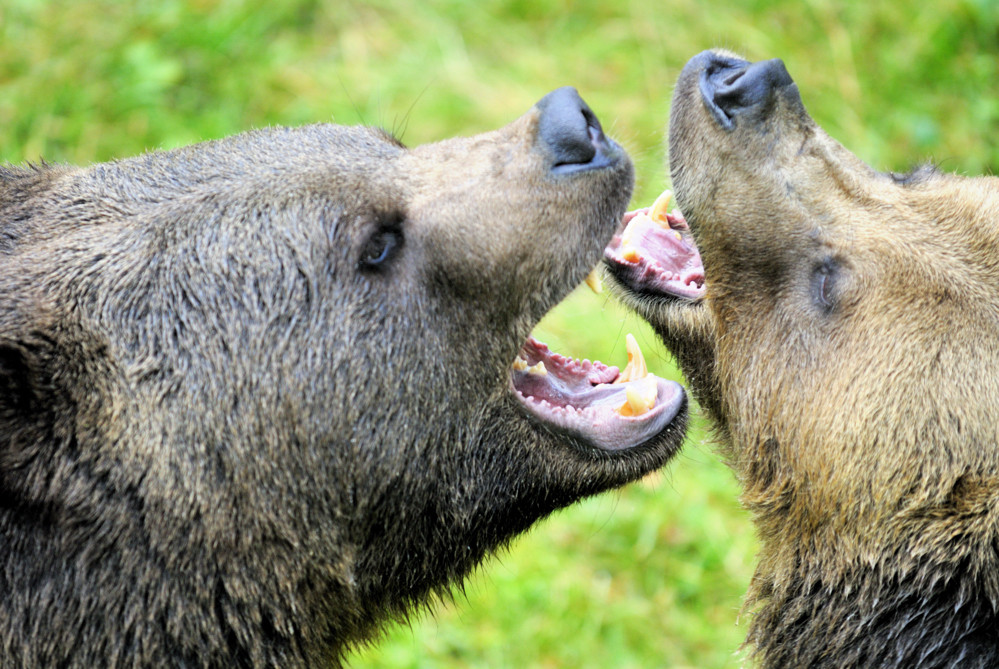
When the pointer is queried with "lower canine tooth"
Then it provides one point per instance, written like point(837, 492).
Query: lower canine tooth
point(630, 254)
point(641, 398)
point(594, 282)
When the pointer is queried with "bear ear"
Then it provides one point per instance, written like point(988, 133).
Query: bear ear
point(27, 394)
point(18, 389)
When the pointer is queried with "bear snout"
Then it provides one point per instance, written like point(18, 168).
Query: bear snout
point(733, 88)
point(571, 133)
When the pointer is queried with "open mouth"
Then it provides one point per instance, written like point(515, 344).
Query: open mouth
point(654, 253)
point(609, 408)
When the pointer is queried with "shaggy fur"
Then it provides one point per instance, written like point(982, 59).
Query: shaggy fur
point(256, 393)
point(846, 349)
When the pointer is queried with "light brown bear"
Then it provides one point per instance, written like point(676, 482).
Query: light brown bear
point(842, 332)
point(256, 394)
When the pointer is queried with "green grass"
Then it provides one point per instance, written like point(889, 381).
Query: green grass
point(648, 576)
point(651, 575)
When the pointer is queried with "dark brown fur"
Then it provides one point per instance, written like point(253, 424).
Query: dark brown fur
point(847, 350)
point(227, 438)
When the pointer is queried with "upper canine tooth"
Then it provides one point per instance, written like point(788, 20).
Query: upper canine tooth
point(594, 282)
point(658, 211)
point(629, 230)
point(636, 367)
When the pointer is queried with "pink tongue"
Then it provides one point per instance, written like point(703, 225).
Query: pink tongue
point(656, 258)
point(661, 244)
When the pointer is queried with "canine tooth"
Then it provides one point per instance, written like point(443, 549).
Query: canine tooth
point(519, 364)
point(628, 249)
point(636, 367)
point(594, 282)
point(629, 230)
point(658, 211)
point(641, 398)
point(630, 254)
point(538, 369)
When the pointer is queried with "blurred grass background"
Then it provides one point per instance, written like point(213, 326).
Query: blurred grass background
point(648, 576)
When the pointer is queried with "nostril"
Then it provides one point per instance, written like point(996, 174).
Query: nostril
point(568, 129)
point(752, 85)
point(731, 87)
point(734, 77)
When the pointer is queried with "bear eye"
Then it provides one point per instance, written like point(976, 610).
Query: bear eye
point(383, 244)
point(824, 278)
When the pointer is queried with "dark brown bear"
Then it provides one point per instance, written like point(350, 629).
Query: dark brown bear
point(257, 393)
point(843, 333)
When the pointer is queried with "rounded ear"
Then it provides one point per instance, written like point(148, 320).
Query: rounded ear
point(27, 399)
point(18, 392)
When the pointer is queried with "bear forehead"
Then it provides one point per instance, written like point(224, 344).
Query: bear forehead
point(268, 154)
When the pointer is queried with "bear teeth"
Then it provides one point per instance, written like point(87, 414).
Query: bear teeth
point(658, 210)
point(641, 397)
point(641, 391)
point(538, 369)
point(594, 281)
point(640, 387)
point(636, 367)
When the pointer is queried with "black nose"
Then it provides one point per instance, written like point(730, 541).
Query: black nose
point(732, 87)
point(570, 132)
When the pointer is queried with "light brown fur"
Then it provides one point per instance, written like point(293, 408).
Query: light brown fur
point(860, 416)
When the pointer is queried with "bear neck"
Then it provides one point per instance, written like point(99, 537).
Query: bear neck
point(934, 616)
